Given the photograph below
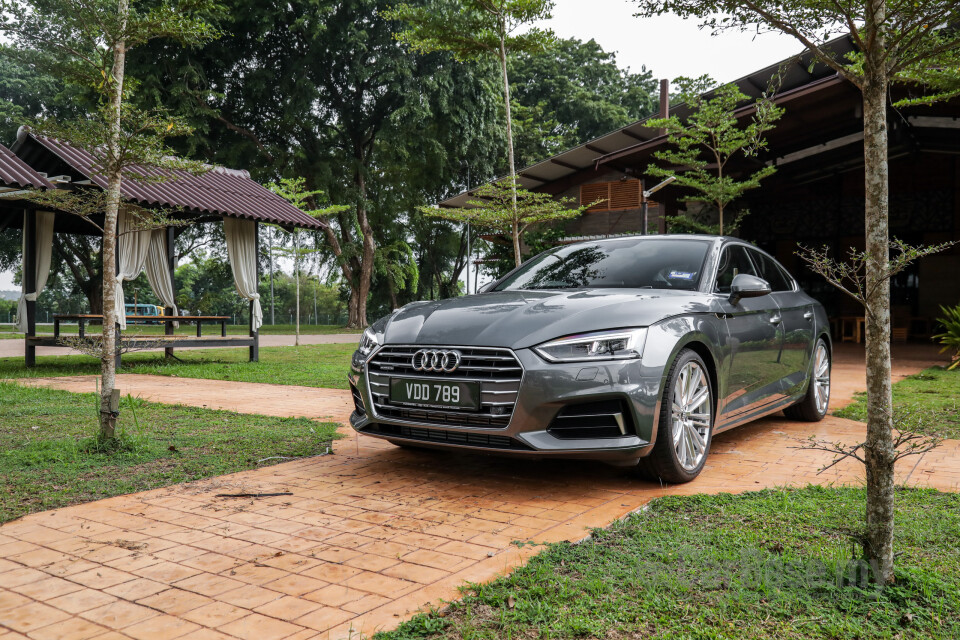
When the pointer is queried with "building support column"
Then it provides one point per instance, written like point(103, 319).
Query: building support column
point(168, 311)
point(30, 284)
point(255, 334)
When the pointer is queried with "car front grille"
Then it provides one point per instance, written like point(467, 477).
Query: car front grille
point(497, 370)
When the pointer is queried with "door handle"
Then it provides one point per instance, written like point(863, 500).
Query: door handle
point(775, 319)
point(808, 315)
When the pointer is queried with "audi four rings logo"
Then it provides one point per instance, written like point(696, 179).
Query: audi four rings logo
point(437, 360)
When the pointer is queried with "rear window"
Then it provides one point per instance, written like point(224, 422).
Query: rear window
point(629, 263)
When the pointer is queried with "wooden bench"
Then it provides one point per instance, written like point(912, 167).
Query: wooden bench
point(168, 341)
point(83, 318)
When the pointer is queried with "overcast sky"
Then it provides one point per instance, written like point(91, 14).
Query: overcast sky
point(667, 45)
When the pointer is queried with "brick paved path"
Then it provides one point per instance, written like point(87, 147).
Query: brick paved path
point(370, 534)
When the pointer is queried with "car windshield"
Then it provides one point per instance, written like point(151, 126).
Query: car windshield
point(646, 263)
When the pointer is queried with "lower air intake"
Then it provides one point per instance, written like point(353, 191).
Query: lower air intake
point(603, 419)
point(448, 437)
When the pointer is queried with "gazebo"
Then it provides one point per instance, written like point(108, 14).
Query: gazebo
point(220, 194)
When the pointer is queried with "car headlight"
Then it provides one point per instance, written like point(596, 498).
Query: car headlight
point(368, 342)
point(602, 345)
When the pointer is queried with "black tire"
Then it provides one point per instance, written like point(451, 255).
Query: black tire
point(809, 409)
point(663, 463)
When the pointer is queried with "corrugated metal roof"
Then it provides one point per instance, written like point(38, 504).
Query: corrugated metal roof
point(14, 172)
point(795, 73)
point(219, 191)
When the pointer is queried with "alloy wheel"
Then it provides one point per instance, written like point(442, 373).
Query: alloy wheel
point(691, 412)
point(821, 379)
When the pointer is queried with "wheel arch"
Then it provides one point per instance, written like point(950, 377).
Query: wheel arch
point(697, 337)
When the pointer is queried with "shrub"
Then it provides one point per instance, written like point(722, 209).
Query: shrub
point(950, 338)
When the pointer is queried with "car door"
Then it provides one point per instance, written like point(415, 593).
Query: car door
point(751, 368)
point(796, 315)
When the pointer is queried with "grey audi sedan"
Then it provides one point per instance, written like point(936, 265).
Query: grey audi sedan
point(631, 350)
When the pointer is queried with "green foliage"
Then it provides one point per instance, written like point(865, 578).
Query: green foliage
point(47, 461)
point(473, 29)
point(709, 138)
point(26, 93)
point(769, 564)
point(504, 207)
point(83, 44)
point(477, 29)
point(572, 92)
point(950, 337)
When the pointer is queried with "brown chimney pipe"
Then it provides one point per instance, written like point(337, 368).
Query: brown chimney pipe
point(664, 101)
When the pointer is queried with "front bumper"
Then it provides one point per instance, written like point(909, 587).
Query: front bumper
point(545, 389)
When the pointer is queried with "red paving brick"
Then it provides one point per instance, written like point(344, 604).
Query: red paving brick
point(370, 535)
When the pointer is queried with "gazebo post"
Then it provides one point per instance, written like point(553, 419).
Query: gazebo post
point(255, 347)
point(171, 258)
point(30, 284)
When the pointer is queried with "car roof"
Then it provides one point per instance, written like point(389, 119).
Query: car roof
point(657, 236)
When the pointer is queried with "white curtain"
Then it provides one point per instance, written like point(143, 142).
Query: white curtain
point(44, 237)
point(242, 251)
point(132, 249)
point(158, 272)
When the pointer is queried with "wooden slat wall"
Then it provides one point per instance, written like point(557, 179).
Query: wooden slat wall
point(616, 196)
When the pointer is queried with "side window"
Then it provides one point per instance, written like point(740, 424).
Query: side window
point(771, 272)
point(733, 261)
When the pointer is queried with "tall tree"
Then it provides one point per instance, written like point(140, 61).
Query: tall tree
point(86, 43)
point(702, 145)
point(896, 40)
point(504, 207)
point(477, 29)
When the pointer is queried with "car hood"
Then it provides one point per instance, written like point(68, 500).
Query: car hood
point(520, 319)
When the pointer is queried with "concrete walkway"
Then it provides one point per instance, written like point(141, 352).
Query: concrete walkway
point(370, 534)
point(14, 348)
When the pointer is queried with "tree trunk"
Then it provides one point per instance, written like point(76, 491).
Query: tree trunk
point(879, 449)
point(94, 295)
point(516, 243)
point(369, 248)
point(513, 169)
point(394, 305)
point(108, 371)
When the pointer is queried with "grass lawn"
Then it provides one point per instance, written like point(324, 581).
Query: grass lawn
point(772, 564)
point(319, 365)
point(8, 331)
point(48, 458)
point(931, 397)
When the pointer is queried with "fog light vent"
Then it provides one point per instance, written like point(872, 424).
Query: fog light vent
point(603, 419)
point(357, 401)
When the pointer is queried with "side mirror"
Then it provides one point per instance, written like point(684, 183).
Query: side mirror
point(486, 287)
point(747, 286)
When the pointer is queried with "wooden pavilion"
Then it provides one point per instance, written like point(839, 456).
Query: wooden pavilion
point(222, 195)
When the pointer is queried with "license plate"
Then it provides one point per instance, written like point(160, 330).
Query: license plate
point(435, 394)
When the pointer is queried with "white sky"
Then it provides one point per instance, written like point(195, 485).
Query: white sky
point(667, 45)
